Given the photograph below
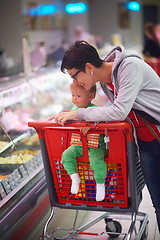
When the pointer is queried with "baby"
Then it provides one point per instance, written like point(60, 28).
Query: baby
point(82, 98)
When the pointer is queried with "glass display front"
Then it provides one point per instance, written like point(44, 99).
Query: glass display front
point(32, 99)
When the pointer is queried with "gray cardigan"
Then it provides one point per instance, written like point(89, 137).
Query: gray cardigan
point(137, 85)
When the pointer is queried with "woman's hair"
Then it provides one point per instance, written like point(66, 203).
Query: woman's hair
point(93, 89)
point(78, 54)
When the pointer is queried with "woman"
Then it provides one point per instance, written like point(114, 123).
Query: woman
point(134, 91)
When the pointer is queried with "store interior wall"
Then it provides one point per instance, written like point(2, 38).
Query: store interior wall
point(102, 18)
point(11, 30)
point(63, 33)
point(50, 37)
point(132, 37)
point(77, 20)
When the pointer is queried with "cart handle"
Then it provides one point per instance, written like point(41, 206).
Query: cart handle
point(127, 127)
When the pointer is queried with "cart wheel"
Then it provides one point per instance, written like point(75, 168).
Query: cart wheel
point(113, 226)
point(145, 233)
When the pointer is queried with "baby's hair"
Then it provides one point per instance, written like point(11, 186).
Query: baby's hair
point(93, 89)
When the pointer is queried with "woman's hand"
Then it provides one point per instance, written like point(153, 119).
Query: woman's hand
point(62, 117)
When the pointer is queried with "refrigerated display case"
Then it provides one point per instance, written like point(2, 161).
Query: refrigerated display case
point(23, 192)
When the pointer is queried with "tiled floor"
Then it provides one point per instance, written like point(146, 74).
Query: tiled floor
point(66, 218)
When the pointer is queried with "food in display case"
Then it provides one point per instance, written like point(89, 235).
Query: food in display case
point(3, 144)
point(17, 163)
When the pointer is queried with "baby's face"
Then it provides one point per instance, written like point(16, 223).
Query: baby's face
point(80, 97)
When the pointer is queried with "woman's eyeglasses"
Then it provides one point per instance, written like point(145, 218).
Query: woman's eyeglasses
point(74, 75)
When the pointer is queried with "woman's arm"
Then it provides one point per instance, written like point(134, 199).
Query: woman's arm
point(130, 77)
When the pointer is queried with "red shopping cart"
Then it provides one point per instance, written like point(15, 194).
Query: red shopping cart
point(124, 181)
point(155, 64)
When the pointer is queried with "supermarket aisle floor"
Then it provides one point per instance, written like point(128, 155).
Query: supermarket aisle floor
point(65, 218)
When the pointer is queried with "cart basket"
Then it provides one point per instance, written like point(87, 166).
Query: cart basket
point(124, 181)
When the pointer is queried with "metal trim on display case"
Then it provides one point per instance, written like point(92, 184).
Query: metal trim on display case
point(20, 212)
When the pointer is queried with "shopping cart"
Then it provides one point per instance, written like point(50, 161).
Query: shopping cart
point(155, 64)
point(124, 181)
